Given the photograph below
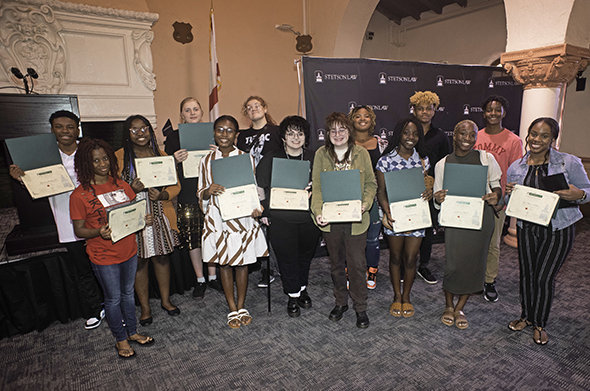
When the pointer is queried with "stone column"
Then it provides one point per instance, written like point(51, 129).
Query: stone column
point(545, 73)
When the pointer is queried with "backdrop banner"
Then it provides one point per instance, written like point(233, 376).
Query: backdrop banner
point(335, 84)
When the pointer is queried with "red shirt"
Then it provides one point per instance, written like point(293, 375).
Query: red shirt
point(84, 205)
point(505, 146)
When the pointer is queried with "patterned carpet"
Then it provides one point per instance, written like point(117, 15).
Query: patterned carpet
point(198, 351)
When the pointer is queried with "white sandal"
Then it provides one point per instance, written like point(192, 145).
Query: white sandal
point(233, 320)
point(244, 316)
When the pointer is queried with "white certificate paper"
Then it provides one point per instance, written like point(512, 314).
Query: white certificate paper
point(156, 171)
point(238, 202)
point(47, 181)
point(533, 205)
point(461, 212)
point(342, 211)
point(290, 199)
point(190, 167)
point(125, 220)
point(410, 215)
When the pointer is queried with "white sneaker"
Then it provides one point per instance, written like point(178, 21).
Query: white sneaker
point(94, 322)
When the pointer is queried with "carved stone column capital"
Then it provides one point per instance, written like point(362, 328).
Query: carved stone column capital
point(546, 67)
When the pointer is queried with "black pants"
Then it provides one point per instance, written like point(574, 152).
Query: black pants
point(294, 246)
point(88, 283)
point(426, 245)
point(541, 252)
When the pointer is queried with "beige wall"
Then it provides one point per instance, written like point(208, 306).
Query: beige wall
point(456, 37)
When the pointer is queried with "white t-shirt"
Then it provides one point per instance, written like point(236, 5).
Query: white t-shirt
point(60, 204)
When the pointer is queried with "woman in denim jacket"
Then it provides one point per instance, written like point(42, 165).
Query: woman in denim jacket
point(542, 250)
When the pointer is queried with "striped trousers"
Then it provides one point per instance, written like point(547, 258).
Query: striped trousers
point(541, 252)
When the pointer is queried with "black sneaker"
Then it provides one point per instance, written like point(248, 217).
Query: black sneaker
point(263, 281)
point(426, 275)
point(199, 291)
point(215, 284)
point(490, 293)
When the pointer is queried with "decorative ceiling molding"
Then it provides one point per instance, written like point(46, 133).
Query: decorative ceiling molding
point(90, 10)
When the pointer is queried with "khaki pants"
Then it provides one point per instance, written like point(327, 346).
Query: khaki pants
point(494, 249)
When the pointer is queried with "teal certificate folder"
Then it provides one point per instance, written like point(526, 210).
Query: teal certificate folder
point(196, 137)
point(341, 185)
point(233, 171)
point(466, 180)
point(404, 185)
point(34, 152)
point(289, 174)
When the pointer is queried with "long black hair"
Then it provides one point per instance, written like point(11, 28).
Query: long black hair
point(397, 136)
point(128, 173)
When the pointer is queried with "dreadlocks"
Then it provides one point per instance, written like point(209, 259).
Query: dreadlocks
point(83, 161)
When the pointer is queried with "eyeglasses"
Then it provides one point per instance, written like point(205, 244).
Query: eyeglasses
point(292, 134)
point(226, 130)
point(253, 107)
point(144, 129)
point(338, 131)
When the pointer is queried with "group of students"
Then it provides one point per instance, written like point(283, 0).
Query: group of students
point(353, 248)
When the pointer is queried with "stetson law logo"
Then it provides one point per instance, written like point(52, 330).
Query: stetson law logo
point(441, 81)
point(468, 109)
point(383, 78)
point(500, 83)
point(320, 76)
point(321, 134)
point(352, 104)
point(411, 111)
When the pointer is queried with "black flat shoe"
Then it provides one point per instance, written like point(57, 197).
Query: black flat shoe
point(173, 312)
point(304, 300)
point(293, 307)
point(337, 312)
point(146, 321)
point(362, 320)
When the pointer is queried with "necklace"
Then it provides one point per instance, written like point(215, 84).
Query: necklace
point(288, 156)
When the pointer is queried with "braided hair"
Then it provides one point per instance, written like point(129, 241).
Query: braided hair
point(128, 173)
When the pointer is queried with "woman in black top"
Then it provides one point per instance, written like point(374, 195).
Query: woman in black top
point(189, 214)
point(292, 233)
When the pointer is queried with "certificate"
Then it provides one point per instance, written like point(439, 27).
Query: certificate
point(533, 205)
point(156, 171)
point(238, 202)
point(410, 215)
point(190, 167)
point(461, 212)
point(342, 211)
point(127, 219)
point(47, 181)
point(290, 199)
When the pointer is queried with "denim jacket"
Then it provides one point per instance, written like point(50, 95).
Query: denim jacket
point(575, 174)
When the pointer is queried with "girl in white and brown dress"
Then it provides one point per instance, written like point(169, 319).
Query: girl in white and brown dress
point(233, 244)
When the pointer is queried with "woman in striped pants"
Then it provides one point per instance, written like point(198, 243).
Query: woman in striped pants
point(542, 250)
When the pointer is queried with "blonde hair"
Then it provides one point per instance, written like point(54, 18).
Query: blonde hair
point(425, 98)
point(185, 101)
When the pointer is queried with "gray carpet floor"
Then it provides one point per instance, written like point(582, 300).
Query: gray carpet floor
point(198, 351)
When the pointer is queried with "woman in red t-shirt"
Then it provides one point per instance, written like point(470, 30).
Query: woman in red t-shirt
point(114, 264)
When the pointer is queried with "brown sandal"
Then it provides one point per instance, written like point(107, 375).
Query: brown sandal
point(461, 320)
point(540, 336)
point(519, 324)
point(448, 316)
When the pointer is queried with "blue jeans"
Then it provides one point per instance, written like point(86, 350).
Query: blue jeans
point(373, 251)
point(119, 303)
